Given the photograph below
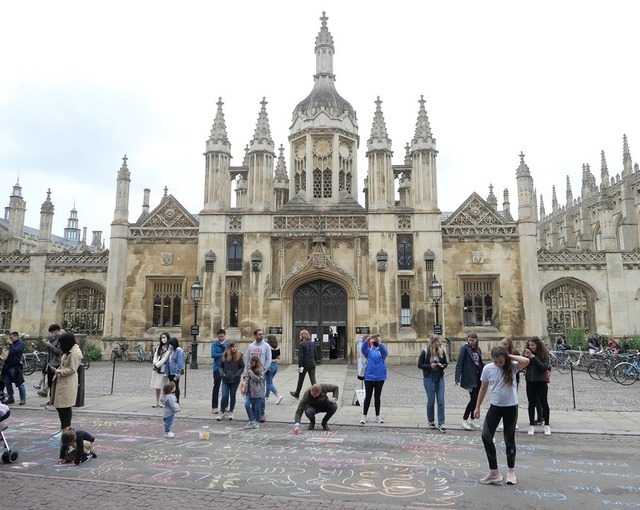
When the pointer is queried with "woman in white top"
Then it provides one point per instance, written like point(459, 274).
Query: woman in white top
point(500, 378)
point(160, 357)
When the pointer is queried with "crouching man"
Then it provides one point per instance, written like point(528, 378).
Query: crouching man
point(315, 400)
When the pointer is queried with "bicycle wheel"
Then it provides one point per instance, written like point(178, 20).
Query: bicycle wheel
point(125, 355)
point(563, 363)
point(604, 371)
point(28, 365)
point(625, 373)
point(592, 368)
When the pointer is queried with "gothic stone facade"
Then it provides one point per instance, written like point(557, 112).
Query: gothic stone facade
point(294, 250)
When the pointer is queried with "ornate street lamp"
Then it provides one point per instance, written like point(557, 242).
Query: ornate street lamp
point(435, 292)
point(196, 296)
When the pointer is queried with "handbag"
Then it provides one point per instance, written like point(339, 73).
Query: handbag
point(362, 370)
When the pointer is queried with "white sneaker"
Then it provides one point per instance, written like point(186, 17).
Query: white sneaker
point(379, 420)
point(220, 416)
point(57, 435)
point(230, 416)
point(363, 420)
point(532, 430)
point(168, 435)
point(547, 430)
point(256, 425)
point(476, 425)
point(466, 426)
point(249, 425)
point(500, 427)
point(279, 399)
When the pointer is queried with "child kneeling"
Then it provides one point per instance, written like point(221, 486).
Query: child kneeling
point(76, 446)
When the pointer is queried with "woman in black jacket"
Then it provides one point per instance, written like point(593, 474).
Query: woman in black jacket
point(433, 361)
point(468, 371)
point(537, 385)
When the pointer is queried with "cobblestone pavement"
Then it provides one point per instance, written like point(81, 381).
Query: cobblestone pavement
point(343, 468)
point(403, 387)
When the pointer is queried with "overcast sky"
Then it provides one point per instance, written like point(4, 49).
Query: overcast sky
point(85, 82)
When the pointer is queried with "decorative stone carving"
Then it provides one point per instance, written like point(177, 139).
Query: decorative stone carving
point(319, 223)
point(235, 222)
point(404, 222)
point(382, 257)
point(477, 257)
point(256, 261)
point(166, 259)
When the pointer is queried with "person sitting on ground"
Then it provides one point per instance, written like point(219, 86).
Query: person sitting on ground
point(314, 401)
point(76, 446)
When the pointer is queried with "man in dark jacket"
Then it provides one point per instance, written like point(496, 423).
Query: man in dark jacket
point(12, 370)
point(315, 400)
point(306, 361)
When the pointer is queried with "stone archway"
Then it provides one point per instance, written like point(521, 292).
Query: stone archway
point(321, 307)
point(569, 304)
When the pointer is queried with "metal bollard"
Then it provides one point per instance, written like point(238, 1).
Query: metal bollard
point(80, 397)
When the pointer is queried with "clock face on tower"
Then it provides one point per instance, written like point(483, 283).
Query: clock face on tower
point(345, 150)
point(301, 150)
point(322, 147)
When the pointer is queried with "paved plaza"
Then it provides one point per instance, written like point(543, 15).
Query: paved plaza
point(592, 458)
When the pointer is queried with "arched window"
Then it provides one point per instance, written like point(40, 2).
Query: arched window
point(83, 310)
point(6, 309)
point(567, 307)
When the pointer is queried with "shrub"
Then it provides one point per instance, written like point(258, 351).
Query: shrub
point(92, 352)
point(632, 344)
point(576, 338)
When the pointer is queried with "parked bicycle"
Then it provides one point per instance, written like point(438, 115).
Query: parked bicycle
point(32, 361)
point(120, 351)
point(627, 372)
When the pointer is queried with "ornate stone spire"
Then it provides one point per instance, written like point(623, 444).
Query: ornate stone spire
point(262, 134)
point(324, 97)
point(123, 173)
point(379, 139)
point(588, 181)
point(604, 171)
point(523, 169)
point(407, 154)
point(491, 199)
point(423, 129)
point(569, 193)
point(626, 157)
point(281, 174)
point(219, 128)
point(542, 212)
point(554, 198)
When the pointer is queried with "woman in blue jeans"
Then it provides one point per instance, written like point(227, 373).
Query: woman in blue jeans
point(433, 361)
point(273, 368)
point(231, 368)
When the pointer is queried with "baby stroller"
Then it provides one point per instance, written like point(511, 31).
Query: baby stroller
point(8, 456)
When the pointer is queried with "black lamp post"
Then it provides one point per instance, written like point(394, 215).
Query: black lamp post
point(435, 292)
point(196, 296)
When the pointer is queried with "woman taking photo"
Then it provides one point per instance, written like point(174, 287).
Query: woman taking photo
point(160, 357)
point(375, 374)
point(537, 385)
point(433, 361)
point(64, 389)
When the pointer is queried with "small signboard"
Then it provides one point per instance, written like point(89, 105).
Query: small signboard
point(275, 330)
point(363, 330)
point(437, 329)
point(195, 330)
